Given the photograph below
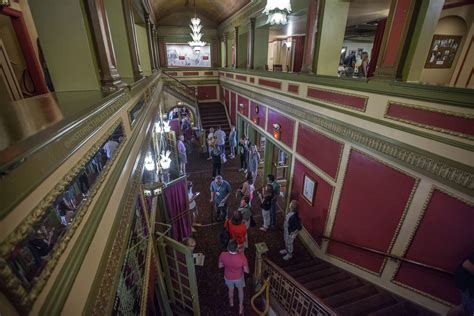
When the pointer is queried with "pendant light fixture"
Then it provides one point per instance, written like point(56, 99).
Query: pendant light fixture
point(277, 11)
point(196, 34)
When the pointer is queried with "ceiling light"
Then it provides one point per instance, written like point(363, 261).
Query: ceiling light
point(196, 34)
point(277, 11)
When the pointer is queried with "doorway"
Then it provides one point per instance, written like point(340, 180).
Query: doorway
point(278, 163)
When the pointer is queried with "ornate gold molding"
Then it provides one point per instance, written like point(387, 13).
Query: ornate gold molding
point(108, 285)
point(13, 287)
point(444, 170)
point(430, 127)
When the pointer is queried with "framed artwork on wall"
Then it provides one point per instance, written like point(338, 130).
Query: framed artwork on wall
point(443, 51)
point(309, 189)
point(182, 55)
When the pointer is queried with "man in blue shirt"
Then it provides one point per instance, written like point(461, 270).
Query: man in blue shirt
point(220, 192)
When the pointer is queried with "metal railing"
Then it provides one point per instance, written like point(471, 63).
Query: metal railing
point(291, 295)
point(388, 255)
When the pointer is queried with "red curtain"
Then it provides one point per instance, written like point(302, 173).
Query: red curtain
point(299, 50)
point(374, 55)
point(176, 201)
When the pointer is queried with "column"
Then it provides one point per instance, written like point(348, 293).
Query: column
point(109, 76)
point(66, 45)
point(331, 36)
point(224, 53)
point(310, 38)
point(149, 35)
point(132, 39)
point(236, 47)
point(250, 43)
point(155, 46)
point(260, 60)
point(395, 42)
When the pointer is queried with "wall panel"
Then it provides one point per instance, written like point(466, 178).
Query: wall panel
point(287, 126)
point(372, 203)
point(260, 117)
point(444, 238)
point(243, 105)
point(233, 114)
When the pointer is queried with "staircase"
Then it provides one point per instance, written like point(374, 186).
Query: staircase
point(214, 115)
point(345, 293)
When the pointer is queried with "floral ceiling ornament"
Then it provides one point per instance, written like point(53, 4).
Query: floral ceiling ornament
point(277, 11)
point(196, 34)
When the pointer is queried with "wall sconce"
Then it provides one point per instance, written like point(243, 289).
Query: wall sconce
point(165, 160)
point(276, 131)
point(4, 3)
point(241, 108)
point(149, 163)
point(256, 120)
point(158, 128)
point(166, 127)
point(162, 127)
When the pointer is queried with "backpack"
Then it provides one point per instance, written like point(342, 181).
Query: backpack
point(267, 203)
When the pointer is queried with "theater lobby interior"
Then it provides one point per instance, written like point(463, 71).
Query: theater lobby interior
point(347, 124)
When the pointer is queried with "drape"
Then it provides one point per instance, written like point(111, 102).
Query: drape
point(299, 51)
point(176, 205)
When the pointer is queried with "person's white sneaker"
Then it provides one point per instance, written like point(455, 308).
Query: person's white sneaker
point(283, 252)
point(287, 257)
point(210, 158)
point(263, 229)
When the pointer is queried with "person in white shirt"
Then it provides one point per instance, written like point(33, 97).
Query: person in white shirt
point(221, 136)
point(110, 147)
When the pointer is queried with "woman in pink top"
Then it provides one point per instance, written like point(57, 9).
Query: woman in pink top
point(235, 265)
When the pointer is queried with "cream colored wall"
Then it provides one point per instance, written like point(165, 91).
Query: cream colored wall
point(142, 41)
point(334, 25)
point(279, 54)
point(450, 25)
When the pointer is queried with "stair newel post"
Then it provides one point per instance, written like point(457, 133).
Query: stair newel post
point(261, 248)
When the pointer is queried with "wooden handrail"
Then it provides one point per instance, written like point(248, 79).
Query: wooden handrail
point(298, 285)
point(180, 82)
point(394, 257)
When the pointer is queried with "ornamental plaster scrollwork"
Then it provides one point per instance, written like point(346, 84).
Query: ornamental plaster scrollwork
point(10, 283)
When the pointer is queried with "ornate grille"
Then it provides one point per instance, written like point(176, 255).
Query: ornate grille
point(293, 299)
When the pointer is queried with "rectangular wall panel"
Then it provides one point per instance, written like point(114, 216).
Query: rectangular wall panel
point(287, 126)
point(322, 151)
point(444, 238)
point(260, 117)
point(313, 217)
point(233, 114)
point(207, 92)
point(243, 105)
point(372, 203)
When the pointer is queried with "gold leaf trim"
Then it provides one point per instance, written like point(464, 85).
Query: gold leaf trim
point(10, 283)
point(427, 126)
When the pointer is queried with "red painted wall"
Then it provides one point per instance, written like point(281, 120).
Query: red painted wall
point(245, 102)
point(287, 126)
point(221, 94)
point(207, 92)
point(227, 100)
point(313, 217)
point(261, 116)
point(371, 205)
point(233, 114)
point(443, 239)
point(321, 150)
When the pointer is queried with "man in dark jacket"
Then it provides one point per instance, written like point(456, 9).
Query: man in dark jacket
point(464, 278)
point(291, 227)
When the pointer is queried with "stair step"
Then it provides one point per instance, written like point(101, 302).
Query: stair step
point(337, 288)
point(327, 279)
point(300, 265)
point(368, 305)
point(349, 297)
point(322, 271)
point(398, 309)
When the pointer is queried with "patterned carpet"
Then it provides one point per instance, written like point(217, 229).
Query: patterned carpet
point(212, 290)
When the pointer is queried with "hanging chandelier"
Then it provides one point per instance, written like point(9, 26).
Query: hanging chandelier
point(277, 11)
point(196, 34)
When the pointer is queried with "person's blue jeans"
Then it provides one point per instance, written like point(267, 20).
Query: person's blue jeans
point(273, 213)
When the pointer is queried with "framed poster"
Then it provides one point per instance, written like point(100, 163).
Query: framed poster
point(182, 55)
point(309, 188)
point(443, 51)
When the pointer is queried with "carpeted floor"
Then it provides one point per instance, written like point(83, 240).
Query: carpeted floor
point(212, 290)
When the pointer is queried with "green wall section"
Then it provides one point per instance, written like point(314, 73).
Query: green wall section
point(334, 25)
point(242, 61)
point(261, 48)
point(68, 50)
point(143, 49)
point(118, 30)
